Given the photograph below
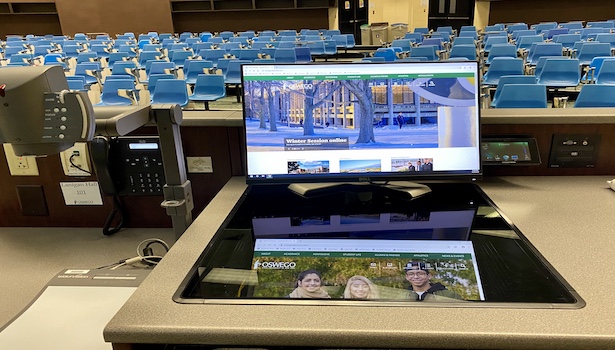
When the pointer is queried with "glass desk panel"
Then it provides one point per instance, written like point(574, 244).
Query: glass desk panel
point(365, 245)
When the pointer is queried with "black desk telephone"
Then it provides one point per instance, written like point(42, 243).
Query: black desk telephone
point(128, 165)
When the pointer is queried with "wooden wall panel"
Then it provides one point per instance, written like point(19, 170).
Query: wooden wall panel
point(250, 20)
point(23, 24)
point(530, 11)
point(223, 145)
point(114, 16)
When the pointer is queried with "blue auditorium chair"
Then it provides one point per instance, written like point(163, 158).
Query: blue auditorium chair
point(541, 63)
point(303, 53)
point(492, 40)
point(523, 32)
point(522, 96)
point(594, 68)
point(154, 78)
point(438, 42)
point(560, 72)
point(123, 68)
point(446, 31)
point(387, 53)
point(516, 26)
point(467, 51)
point(248, 54)
point(110, 93)
point(594, 95)
point(501, 66)
point(606, 38)
point(330, 47)
point(87, 56)
point(76, 82)
point(590, 50)
point(147, 56)
point(524, 43)
point(414, 37)
point(464, 41)
point(117, 57)
point(544, 49)
point(185, 35)
point(193, 68)
point(429, 51)
point(233, 75)
point(511, 79)
point(469, 34)
point(350, 41)
point(212, 55)
point(606, 73)
point(317, 47)
point(179, 56)
point(90, 71)
point(55, 59)
point(207, 88)
point(285, 55)
point(501, 50)
point(170, 91)
point(404, 44)
point(572, 25)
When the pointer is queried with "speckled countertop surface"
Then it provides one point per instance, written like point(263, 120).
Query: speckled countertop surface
point(568, 219)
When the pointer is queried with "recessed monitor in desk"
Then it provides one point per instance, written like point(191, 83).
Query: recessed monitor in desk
point(360, 122)
point(450, 246)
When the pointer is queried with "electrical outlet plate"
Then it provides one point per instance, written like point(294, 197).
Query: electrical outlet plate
point(81, 158)
point(20, 166)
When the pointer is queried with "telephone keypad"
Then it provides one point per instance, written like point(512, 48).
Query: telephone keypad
point(145, 175)
point(141, 170)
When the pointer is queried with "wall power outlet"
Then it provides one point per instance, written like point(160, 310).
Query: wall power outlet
point(20, 166)
point(76, 160)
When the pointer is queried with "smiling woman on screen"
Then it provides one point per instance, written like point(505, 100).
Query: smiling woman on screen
point(308, 286)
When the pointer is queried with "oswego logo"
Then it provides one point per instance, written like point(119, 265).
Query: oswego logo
point(2, 90)
point(275, 265)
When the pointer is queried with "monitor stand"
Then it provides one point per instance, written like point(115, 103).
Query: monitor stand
point(364, 191)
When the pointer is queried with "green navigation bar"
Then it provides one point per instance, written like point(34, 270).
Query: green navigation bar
point(358, 77)
point(370, 255)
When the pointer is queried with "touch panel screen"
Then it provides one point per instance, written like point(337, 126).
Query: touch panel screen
point(450, 245)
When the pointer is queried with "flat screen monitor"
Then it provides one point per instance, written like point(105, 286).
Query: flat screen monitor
point(361, 122)
point(450, 246)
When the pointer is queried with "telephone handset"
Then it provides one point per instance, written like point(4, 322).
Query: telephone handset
point(99, 150)
point(128, 165)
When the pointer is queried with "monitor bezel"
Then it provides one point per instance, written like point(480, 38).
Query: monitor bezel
point(424, 177)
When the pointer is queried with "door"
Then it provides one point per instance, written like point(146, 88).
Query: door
point(352, 14)
point(455, 13)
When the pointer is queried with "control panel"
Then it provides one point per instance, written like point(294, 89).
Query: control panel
point(574, 151)
point(68, 117)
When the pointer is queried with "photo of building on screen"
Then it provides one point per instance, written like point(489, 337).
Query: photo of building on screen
point(359, 112)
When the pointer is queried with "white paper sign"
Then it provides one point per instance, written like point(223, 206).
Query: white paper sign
point(199, 165)
point(81, 193)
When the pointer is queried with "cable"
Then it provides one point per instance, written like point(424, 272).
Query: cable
point(144, 254)
point(147, 254)
point(117, 208)
point(71, 161)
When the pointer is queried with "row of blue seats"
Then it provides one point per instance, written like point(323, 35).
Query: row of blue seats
point(167, 89)
point(555, 71)
point(526, 94)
